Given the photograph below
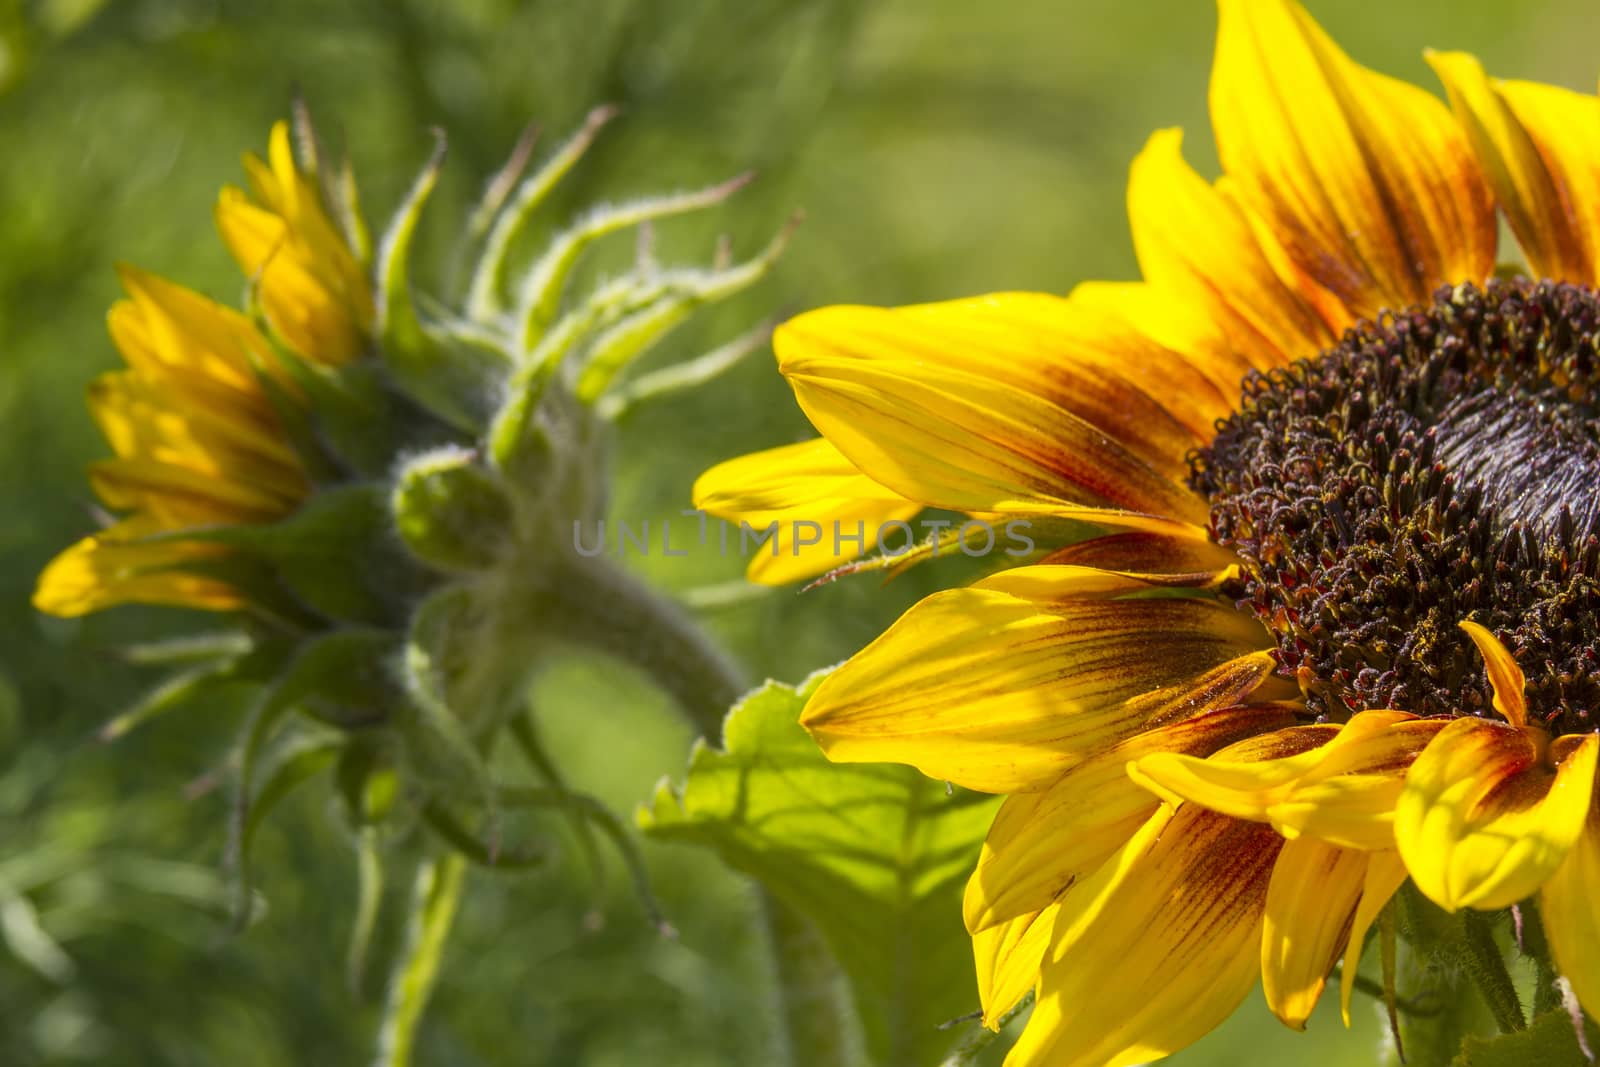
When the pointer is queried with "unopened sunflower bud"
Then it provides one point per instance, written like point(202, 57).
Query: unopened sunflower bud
point(451, 511)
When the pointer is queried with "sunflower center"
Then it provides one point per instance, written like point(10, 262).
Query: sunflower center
point(1440, 465)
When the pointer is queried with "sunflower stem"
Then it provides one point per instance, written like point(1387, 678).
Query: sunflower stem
point(602, 607)
point(1487, 967)
point(436, 897)
point(808, 986)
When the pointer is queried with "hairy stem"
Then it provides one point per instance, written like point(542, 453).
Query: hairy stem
point(602, 607)
point(1488, 969)
point(435, 898)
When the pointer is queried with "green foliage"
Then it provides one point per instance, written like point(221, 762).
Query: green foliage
point(876, 856)
point(1551, 1040)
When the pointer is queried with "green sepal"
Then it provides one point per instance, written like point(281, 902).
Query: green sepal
point(484, 297)
point(207, 679)
point(542, 288)
point(875, 855)
point(451, 511)
point(683, 293)
point(310, 554)
point(439, 369)
point(439, 747)
point(367, 779)
point(338, 676)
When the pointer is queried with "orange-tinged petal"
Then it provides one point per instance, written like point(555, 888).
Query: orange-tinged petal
point(1168, 932)
point(1505, 677)
point(1368, 180)
point(1386, 873)
point(1245, 780)
point(1310, 904)
point(1002, 692)
point(115, 567)
point(1007, 957)
point(1539, 146)
point(1145, 552)
point(1482, 822)
point(973, 408)
point(808, 482)
point(1571, 919)
point(1193, 240)
point(1041, 843)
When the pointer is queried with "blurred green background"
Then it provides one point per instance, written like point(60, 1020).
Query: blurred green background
point(938, 147)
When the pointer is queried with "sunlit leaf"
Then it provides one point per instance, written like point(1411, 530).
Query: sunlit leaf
point(875, 855)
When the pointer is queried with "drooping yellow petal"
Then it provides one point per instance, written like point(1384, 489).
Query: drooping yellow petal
point(1001, 691)
point(972, 408)
point(1041, 843)
point(1337, 784)
point(1310, 904)
point(1007, 958)
point(1482, 822)
point(1386, 873)
point(1166, 935)
point(1505, 677)
point(1571, 919)
point(1539, 146)
point(116, 567)
point(809, 483)
point(1194, 241)
point(1368, 180)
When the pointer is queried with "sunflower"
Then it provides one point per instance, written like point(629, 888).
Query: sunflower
point(198, 419)
point(1317, 608)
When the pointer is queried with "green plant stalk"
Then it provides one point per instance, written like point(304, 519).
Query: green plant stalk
point(604, 608)
point(596, 604)
point(1487, 968)
point(435, 899)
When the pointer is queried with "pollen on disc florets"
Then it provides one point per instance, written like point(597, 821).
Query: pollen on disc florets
point(1439, 465)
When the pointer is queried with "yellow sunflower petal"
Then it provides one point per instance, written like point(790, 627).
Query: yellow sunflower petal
point(1571, 920)
point(1193, 240)
point(1168, 931)
point(1001, 692)
point(1386, 873)
point(972, 411)
point(1041, 843)
point(1368, 179)
point(1505, 677)
point(1539, 146)
point(1145, 552)
point(1007, 957)
point(1338, 784)
point(181, 496)
point(141, 420)
point(114, 567)
point(165, 328)
point(1481, 822)
point(811, 483)
point(1310, 904)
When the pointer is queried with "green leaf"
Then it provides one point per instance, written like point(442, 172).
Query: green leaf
point(1549, 1041)
point(875, 855)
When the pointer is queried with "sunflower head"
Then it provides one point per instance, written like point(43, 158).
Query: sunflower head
point(371, 485)
point(1315, 611)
